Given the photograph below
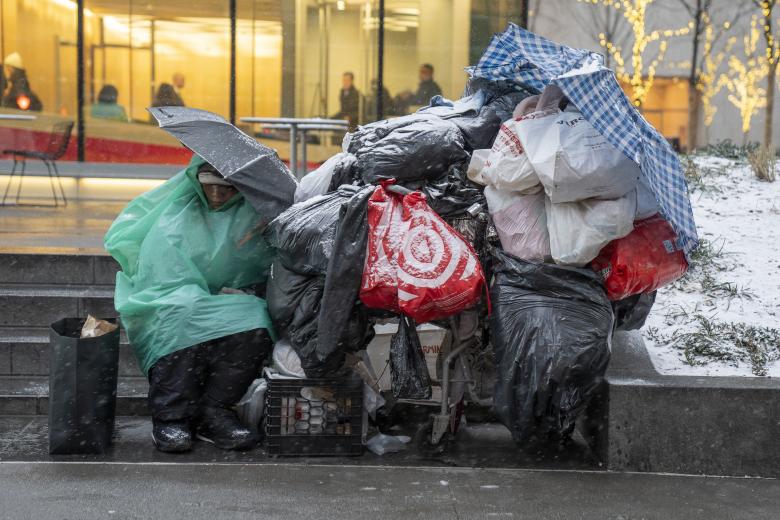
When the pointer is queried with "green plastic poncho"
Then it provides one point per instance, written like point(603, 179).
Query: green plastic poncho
point(176, 254)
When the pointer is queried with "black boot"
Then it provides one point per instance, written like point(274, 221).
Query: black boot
point(221, 427)
point(172, 436)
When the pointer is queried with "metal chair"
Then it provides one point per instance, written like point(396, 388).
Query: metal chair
point(58, 144)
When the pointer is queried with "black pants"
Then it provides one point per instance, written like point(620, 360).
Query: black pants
point(215, 373)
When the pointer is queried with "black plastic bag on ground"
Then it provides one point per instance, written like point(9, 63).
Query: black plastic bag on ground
point(82, 388)
point(410, 377)
point(632, 312)
point(407, 148)
point(551, 328)
point(303, 234)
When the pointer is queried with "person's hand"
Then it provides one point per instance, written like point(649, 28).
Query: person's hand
point(230, 290)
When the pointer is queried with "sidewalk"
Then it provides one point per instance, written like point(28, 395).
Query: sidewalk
point(215, 491)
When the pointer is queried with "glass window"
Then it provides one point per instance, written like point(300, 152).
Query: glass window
point(140, 54)
point(38, 51)
point(296, 58)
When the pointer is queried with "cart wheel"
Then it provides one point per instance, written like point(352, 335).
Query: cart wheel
point(422, 440)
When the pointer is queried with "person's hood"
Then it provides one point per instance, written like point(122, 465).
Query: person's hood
point(192, 174)
point(14, 60)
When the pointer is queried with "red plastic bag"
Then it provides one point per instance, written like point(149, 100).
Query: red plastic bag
point(416, 264)
point(642, 261)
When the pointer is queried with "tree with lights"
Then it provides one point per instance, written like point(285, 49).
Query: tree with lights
point(703, 65)
point(642, 72)
point(771, 58)
point(708, 84)
point(745, 77)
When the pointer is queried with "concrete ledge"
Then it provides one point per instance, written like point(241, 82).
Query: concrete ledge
point(685, 424)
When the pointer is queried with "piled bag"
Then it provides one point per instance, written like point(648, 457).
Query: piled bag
point(643, 261)
point(521, 223)
point(590, 187)
point(416, 264)
point(306, 237)
point(551, 330)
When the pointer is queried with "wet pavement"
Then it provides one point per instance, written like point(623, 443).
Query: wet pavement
point(77, 228)
point(25, 438)
point(279, 491)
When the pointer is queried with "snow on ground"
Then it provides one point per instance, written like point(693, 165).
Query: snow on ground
point(741, 215)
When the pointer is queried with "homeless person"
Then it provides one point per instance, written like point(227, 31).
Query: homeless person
point(190, 258)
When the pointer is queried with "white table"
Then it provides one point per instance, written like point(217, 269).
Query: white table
point(297, 125)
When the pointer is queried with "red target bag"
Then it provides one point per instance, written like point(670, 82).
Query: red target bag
point(642, 261)
point(416, 264)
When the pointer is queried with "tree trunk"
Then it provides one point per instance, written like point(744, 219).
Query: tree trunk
point(694, 109)
point(770, 105)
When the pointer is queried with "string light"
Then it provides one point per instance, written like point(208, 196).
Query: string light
point(709, 84)
point(641, 77)
point(744, 77)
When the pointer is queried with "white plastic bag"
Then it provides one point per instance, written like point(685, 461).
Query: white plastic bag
point(286, 360)
point(381, 443)
point(578, 230)
point(507, 167)
point(316, 182)
point(251, 407)
point(572, 159)
point(521, 223)
point(476, 165)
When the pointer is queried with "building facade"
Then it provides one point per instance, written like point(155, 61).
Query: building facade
point(277, 58)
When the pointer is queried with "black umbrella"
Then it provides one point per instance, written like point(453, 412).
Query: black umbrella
point(254, 169)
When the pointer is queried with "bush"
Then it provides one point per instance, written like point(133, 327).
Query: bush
point(726, 149)
point(762, 162)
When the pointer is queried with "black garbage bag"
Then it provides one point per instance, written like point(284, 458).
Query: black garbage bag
point(82, 388)
point(632, 312)
point(356, 333)
point(453, 194)
point(343, 278)
point(412, 147)
point(320, 312)
point(303, 235)
point(410, 377)
point(283, 294)
point(551, 328)
point(480, 130)
point(345, 172)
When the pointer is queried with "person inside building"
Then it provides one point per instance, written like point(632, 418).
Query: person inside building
point(17, 92)
point(166, 96)
point(188, 295)
point(427, 87)
point(388, 105)
point(107, 106)
point(349, 101)
point(425, 91)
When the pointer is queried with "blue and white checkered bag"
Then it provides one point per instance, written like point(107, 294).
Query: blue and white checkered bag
point(530, 61)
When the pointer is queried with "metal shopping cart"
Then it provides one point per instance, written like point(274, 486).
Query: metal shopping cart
point(465, 370)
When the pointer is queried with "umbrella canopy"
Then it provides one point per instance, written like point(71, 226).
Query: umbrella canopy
point(254, 169)
point(532, 62)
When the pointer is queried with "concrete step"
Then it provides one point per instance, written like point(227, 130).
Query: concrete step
point(25, 352)
point(33, 305)
point(57, 269)
point(29, 395)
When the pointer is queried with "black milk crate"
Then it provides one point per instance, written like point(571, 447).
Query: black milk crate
point(329, 423)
